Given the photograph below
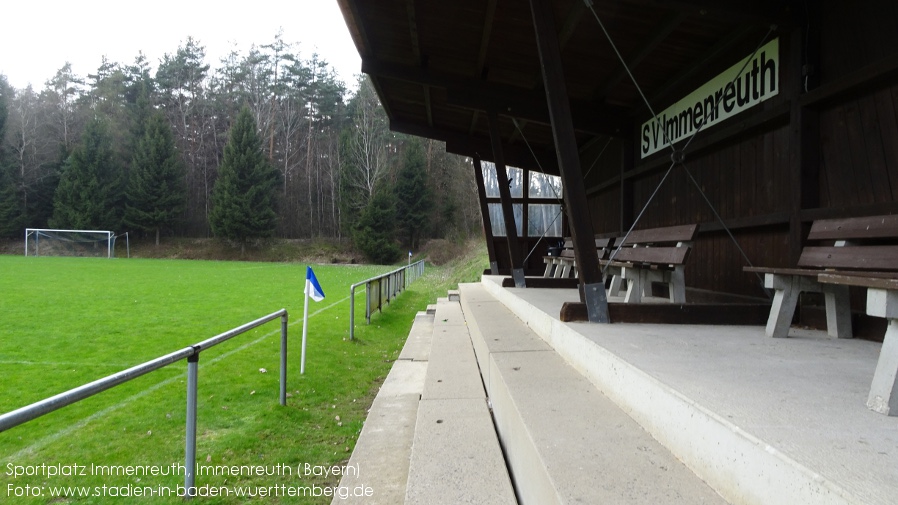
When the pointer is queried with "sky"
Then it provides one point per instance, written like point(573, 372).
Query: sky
point(39, 36)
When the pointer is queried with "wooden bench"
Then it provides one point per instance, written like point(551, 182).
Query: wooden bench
point(653, 255)
point(565, 265)
point(555, 264)
point(854, 246)
point(882, 301)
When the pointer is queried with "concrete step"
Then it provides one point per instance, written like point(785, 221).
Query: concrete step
point(564, 441)
point(456, 456)
point(452, 372)
point(384, 447)
point(417, 346)
point(764, 421)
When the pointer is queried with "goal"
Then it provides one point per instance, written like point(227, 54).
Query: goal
point(87, 243)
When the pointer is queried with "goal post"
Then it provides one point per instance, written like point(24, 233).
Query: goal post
point(84, 243)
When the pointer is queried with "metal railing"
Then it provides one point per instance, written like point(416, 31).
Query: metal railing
point(382, 289)
point(191, 353)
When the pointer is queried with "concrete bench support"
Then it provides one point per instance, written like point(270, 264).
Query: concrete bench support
point(789, 287)
point(883, 395)
point(639, 283)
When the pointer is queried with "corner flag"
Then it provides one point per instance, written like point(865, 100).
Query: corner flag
point(313, 289)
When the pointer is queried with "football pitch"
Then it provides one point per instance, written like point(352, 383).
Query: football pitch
point(67, 321)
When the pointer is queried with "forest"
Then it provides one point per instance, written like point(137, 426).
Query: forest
point(154, 154)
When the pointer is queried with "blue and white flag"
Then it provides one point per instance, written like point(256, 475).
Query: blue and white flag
point(313, 289)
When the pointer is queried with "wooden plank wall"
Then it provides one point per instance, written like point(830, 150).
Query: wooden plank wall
point(747, 176)
point(860, 151)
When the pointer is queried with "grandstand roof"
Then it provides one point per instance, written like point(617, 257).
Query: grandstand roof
point(440, 67)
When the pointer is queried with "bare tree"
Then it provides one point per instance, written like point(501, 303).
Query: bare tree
point(367, 148)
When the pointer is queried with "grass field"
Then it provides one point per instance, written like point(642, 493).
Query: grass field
point(68, 321)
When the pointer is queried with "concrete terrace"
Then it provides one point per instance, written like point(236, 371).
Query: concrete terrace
point(494, 400)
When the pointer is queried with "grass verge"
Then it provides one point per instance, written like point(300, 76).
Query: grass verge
point(68, 321)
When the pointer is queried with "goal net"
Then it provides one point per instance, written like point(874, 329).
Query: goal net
point(87, 243)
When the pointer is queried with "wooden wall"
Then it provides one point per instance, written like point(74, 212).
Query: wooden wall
point(828, 151)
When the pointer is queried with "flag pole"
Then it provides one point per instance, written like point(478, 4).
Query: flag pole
point(305, 319)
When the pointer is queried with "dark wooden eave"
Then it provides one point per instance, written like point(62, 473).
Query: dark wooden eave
point(441, 67)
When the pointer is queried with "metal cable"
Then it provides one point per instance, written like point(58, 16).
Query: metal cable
point(732, 83)
point(557, 198)
point(676, 157)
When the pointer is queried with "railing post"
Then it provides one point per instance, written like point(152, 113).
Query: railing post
point(352, 312)
point(284, 359)
point(368, 302)
point(190, 446)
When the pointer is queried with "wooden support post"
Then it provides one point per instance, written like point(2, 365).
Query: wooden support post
point(485, 214)
point(511, 231)
point(628, 156)
point(591, 283)
point(805, 159)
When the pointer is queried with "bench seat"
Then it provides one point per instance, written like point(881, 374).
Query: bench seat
point(860, 248)
point(564, 265)
point(882, 301)
point(652, 255)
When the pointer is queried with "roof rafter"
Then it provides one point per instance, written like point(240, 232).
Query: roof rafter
point(757, 12)
point(509, 101)
point(661, 32)
point(481, 147)
point(485, 37)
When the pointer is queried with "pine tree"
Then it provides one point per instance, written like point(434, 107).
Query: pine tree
point(10, 213)
point(157, 196)
point(413, 198)
point(91, 184)
point(375, 229)
point(243, 197)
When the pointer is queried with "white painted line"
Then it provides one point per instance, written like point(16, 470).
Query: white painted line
point(112, 408)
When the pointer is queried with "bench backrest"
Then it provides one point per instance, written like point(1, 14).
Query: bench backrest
point(855, 254)
point(603, 248)
point(855, 228)
point(662, 236)
point(661, 246)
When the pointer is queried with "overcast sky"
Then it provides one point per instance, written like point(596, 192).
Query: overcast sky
point(38, 36)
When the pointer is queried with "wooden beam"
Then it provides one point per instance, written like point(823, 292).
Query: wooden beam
point(428, 107)
point(475, 116)
point(413, 30)
point(587, 117)
point(481, 147)
point(627, 195)
point(754, 314)
point(724, 132)
point(507, 100)
point(805, 157)
point(485, 38)
point(353, 18)
point(660, 96)
point(592, 286)
point(511, 232)
point(573, 18)
point(872, 209)
point(871, 77)
point(757, 13)
point(660, 34)
point(544, 283)
point(485, 214)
